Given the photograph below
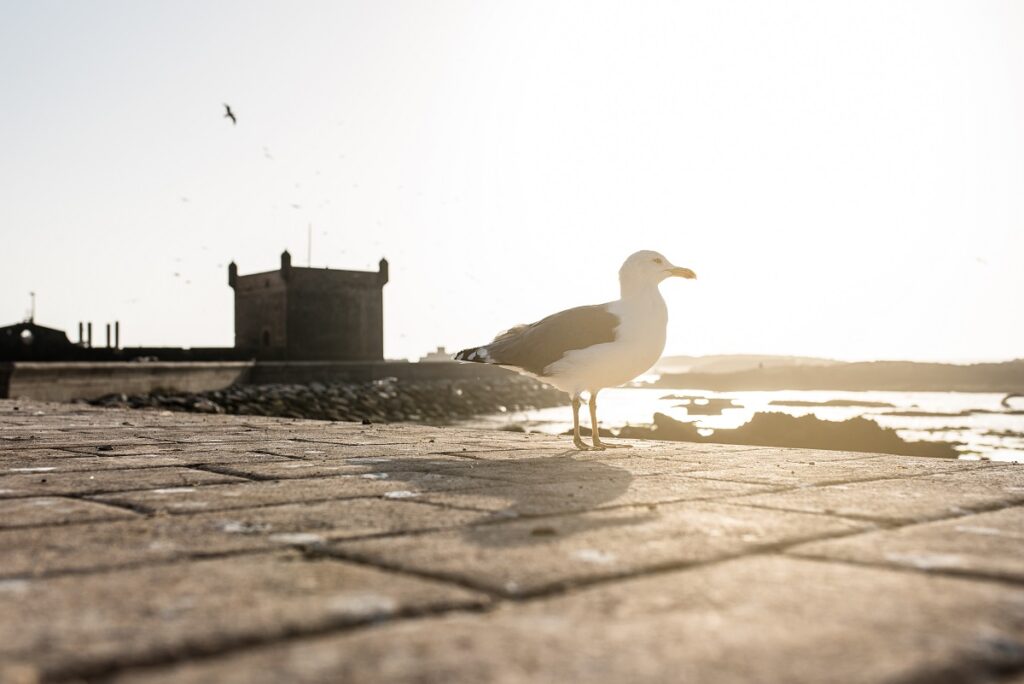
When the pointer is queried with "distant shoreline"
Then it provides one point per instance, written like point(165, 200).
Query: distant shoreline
point(879, 376)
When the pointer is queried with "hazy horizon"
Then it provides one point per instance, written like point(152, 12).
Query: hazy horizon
point(847, 180)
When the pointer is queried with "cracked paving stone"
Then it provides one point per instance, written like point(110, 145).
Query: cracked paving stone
point(527, 556)
point(98, 622)
point(985, 544)
point(762, 619)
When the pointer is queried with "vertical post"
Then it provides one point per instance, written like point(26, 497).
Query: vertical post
point(117, 334)
point(89, 335)
point(81, 337)
point(108, 336)
point(32, 314)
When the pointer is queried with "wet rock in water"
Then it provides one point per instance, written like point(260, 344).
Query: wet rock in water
point(707, 406)
point(927, 414)
point(835, 403)
point(808, 432)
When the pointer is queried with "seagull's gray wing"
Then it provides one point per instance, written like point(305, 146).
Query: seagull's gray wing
point(536, 346)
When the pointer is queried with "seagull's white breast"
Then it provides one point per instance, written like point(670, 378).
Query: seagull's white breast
point(639, 342)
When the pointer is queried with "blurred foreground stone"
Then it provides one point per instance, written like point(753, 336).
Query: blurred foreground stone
point(159, 546)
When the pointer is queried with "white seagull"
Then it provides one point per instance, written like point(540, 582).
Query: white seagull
point(588, 348)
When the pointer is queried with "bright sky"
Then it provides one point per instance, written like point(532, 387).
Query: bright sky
point(847, 178)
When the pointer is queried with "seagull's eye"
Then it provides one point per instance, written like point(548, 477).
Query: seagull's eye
point(659, 262)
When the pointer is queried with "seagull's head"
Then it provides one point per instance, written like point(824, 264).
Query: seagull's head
point(645, 268)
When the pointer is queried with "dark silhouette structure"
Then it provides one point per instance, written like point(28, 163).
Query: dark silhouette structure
point(31, 342)
point(310, 314)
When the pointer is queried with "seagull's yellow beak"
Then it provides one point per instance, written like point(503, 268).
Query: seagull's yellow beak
point(682, 273)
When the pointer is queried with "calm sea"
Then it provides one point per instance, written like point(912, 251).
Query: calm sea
point(997, 435)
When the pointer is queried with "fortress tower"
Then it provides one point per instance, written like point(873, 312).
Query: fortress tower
point(310, 314)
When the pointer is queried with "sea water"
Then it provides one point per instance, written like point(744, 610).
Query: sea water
point(984, 427)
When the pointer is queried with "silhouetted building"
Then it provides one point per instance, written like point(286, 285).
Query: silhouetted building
point(30, 342)
point(310, 314)
point(441, 355)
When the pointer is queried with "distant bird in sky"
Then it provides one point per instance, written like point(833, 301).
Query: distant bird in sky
point(589, 348)
point(228, 114)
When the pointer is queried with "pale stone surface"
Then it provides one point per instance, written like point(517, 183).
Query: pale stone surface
point(748, 620)
point(906, 500)
point(987, 544)
point(68, 462)
point(527, 556)
point(134, 615)
point(43, 482)
point(249, 494)
point(553, 498)
point(54, 510)
point(466, 555)
point(816, 471)
point(97, 546)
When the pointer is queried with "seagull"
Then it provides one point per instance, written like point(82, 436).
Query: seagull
point(228, 114)
point(588, 348)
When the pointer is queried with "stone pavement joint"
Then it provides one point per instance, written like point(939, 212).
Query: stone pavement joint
point(150, 546)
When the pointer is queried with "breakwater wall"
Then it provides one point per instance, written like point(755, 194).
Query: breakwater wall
point(67, 381)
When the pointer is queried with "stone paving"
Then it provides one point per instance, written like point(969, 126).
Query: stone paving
point(145, 546)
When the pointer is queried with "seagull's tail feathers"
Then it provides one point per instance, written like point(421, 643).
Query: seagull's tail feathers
point(486, 353)
point(476, 355)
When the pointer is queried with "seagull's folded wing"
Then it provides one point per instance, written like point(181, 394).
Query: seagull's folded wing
point(536, 346)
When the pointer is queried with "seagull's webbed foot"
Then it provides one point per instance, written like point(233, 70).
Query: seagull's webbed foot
point(598, 444)
point(581, 445)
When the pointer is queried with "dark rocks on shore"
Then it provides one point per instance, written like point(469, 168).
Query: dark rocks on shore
point(381, 401)
point(782, 430)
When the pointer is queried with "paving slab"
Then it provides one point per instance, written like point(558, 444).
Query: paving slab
point(747, 620)
point(247, 494)
point(983, 545)
point(40, 482)
point(767, 468)
point(288, 469)
point(49, 460)
point(92, 547)
point(906, 500)
point(54, 510)
point(553, 498)
point(530, 556)
point(98, 622)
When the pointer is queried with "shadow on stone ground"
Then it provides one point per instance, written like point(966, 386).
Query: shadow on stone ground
point(580, 484)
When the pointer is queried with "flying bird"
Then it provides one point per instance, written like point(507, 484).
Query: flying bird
point(588, 348)
point(228, 114)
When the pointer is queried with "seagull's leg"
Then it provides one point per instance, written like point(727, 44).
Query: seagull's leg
point(576, 439)
point(594, 431)
point(598, 444)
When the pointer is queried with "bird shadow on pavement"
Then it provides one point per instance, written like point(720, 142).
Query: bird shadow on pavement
point(526, 501)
